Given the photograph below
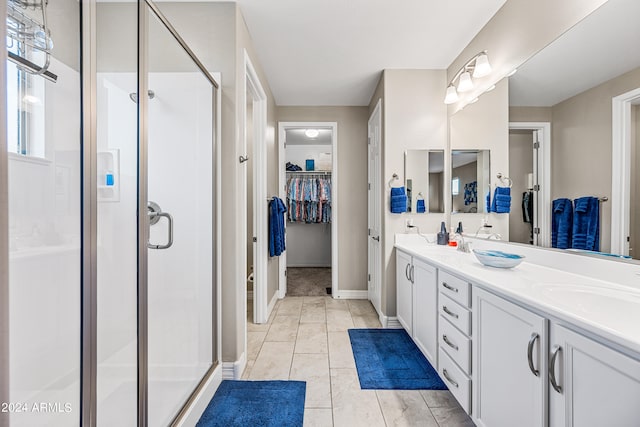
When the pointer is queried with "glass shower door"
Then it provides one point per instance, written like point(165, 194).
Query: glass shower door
point(180, 274)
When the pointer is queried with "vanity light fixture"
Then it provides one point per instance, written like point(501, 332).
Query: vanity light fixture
point(478, 66)
point(311, 133)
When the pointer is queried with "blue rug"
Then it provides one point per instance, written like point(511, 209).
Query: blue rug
point(256, 403)
point(387, 359)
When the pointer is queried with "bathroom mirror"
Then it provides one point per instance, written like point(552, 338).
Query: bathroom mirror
point(569, 87)
point(470, 180)
point(424, 180)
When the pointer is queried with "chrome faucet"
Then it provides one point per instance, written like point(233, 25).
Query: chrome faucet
point(462, 245)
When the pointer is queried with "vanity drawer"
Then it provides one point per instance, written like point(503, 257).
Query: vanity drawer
point(454, 287)
point(459, 384)
point(455, 343)
point(455, 313)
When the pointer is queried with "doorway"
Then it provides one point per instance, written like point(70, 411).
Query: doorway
point(374, 208)
point(530, 172)
point(308, 186)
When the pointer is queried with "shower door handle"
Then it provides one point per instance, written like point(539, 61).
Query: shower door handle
point(158, 215)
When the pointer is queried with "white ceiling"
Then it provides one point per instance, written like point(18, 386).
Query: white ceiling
point(331, 52)
point(604, 45)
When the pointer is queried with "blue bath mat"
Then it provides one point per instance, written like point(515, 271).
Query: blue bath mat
point(387, 359)
point(256, 403)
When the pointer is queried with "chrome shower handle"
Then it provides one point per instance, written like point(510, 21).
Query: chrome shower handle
point(159, 215)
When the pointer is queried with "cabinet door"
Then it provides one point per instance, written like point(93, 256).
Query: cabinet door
point(509, 367)
point(595, 385)
point(404, 291)
point(425, 310)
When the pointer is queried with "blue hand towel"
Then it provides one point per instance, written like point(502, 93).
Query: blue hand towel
point(398, 200)
point(420, 207)
point(562, 223)
point(277, 210)
point(501, 200)
point(586, 226)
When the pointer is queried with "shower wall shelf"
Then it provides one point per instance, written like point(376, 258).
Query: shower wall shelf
point(109, 176)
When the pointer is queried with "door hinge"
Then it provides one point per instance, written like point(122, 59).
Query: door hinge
point(369, 140)
point(536, 187)
point(255, 239)
point(285, 272)
point(536, 145)
point(628, 238)
point(284, 144)
point(369, 184)
point(369, 232)
point(368, 277)
point(536, 230)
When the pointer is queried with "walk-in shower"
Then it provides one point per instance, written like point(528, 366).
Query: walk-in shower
point(112, 304)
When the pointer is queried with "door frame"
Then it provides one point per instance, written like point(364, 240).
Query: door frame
point(544, 177)
point(253, 90)
point(282, 181)
point(377, 274)
point(621, 161)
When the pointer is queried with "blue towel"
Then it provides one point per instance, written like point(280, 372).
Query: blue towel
point(501, 200)
point(562, 223)
point(586, 224)
point(398, 200)
point(277, 210)
point(420, 207)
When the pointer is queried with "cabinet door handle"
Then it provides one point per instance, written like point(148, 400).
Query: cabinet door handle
point(449, 312)
point(532, 341)
point(406, 272)
point(449, 343)
point(552, 369)
point(448, 378)
point(451, 288)
point(411, 273)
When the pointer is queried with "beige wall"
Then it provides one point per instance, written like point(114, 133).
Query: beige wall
point(530, 114)
point(520, 165)
point(515, 33)
point(413, 117)
point(581, 145)
point(352, 186)
point(484, 126)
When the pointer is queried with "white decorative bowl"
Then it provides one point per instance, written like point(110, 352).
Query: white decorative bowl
point(498, 259)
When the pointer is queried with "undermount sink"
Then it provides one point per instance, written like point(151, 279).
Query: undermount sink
point(593, 299)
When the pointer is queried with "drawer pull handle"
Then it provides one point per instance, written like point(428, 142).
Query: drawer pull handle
point(532, 341)
point(449, 343)
point(449, 312)
point(552, 369)
point(451, 288)
point(448, 378)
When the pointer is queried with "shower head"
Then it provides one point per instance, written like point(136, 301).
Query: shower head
point(134, 96)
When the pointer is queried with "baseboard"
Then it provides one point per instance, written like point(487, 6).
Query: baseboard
point(390, 322)
point(281, 293)
point(272, 304)
point(200, 403)
point(234, 370)
point(346, 294)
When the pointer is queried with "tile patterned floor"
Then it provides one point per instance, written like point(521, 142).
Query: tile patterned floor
point(306, 339)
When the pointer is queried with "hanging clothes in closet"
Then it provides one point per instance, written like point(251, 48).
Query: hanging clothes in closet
point(309, 198)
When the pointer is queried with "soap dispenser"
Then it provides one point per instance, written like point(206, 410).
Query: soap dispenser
point(443, 236)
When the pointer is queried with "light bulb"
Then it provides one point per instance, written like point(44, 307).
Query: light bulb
point(465, 84)
point(451, 96)
point(482, 67)
point(311, 133)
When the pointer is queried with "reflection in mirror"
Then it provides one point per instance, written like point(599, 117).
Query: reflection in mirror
point(470, 181)
point(570, 85)
point(424, 180)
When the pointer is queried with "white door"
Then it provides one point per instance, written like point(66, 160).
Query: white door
point(508, 363)
point(374, 209)
point(536, 189)
point(404, 291)
point(425, 310)
point(590, 384)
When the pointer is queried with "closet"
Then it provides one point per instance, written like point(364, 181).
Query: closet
point(308, 157)
point(521, 165)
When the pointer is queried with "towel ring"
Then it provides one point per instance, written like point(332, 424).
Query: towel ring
point(420, 196)
point(394, 177)
point(502, 178)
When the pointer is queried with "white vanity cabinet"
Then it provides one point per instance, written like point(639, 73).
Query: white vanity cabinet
point(591, 385)
point(416, 302)
point(404, 291)
point(509, 363)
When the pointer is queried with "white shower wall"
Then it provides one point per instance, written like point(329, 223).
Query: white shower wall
point(180, 168)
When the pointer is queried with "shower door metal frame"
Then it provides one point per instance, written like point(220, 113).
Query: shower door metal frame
point(89, 206)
